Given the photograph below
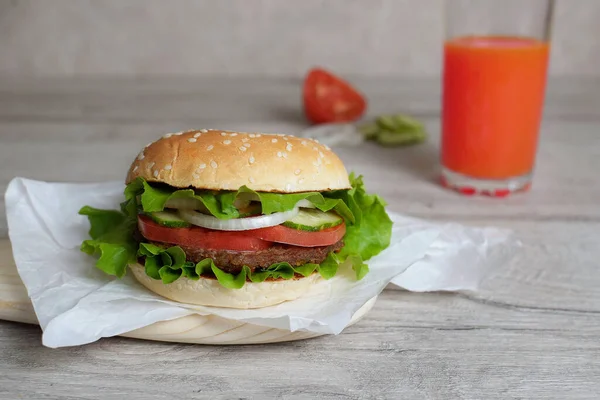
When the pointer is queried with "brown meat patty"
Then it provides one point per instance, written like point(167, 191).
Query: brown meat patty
point(232, 261)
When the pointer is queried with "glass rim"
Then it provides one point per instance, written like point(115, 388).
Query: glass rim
point(548, 19)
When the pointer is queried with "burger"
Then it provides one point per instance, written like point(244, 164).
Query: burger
point(235, 219)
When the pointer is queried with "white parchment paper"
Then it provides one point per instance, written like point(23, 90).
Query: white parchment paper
point(76, 303)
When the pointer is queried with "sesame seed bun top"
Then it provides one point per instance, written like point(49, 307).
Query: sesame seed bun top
point(225, 160)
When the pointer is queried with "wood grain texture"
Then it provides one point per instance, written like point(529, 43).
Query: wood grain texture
point(531, 332)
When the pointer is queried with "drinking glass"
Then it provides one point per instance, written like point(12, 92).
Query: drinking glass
point(494, 79)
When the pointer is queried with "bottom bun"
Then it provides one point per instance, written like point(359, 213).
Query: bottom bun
point(209, 292)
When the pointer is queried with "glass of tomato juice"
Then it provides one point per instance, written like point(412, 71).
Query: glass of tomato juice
point(494, 78)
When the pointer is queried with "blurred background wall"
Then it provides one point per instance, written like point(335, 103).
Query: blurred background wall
point(254, 37)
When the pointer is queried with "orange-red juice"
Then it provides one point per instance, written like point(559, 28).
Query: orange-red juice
point(492, 104)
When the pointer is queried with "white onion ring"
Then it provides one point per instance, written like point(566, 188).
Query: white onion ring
point(237, 224)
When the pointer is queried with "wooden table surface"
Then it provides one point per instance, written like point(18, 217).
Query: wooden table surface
point(531, 332)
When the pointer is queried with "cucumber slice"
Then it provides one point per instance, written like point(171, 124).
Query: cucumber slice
point(370, 130)
point(169, 219)
point(387, 138)
point(313, 220)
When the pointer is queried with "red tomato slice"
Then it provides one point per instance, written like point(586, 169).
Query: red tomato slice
point(283, 234)
point(252, 240)
point(328, 98)
point(200, 237)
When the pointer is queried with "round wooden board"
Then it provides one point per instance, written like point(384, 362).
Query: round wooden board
point(15, 306)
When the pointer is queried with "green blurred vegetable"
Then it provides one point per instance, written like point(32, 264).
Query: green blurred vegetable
point(394, 130)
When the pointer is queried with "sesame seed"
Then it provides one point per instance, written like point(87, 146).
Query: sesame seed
point(151, 165)
point(192, 140)
point(213, 164)
point(155, 173)
point(246, 145)
point(303, 143)
point(288, 187)
point(321, 154)
point(223, 134)
point(195, 176)
point(202, 166)
point(168, 167)
point(141, 156)
point(242, 148)
point(252, 135)
point(197, 134)
point(327, 147)
point(148, 145)
point(279, 154)
point(300, 180)
point(244, 140)
point(135, 168)
point(233, 134)
point(210, 147)
point(273, 140)
point(167, 135)
point(284, 138)
point(203, 130)
point(284, 154)
point(251, 160)
point(316, 141)
point(297, 172)
point(288, 147)
point(251, 180)
point(226, 141)
point(280, 134)
point(258, 135)
point(315, 148)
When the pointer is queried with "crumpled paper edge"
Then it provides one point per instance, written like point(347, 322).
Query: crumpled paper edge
point(160, 313)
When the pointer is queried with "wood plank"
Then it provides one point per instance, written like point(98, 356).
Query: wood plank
point(409, 346)
point(532, 331)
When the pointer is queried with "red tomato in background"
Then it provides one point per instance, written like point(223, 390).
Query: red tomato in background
point(328, 98)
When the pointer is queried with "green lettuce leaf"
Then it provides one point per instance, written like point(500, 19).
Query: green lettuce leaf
point(153, 199)
point(368, 232)
point(221, 204)
point(278, 202)
point(112, 239)
point(328, 268)
point(360, 268)
point(371, 231)
point(169, 264)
